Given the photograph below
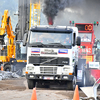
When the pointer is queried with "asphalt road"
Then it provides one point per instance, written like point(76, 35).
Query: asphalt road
point(16, 89)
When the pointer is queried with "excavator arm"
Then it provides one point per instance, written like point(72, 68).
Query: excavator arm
point(3, 27)
point(6, 29)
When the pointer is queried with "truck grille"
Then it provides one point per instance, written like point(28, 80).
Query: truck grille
point(48, 60)
point(48, 70)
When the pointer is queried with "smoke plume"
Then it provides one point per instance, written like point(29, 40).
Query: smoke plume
point(79, 11)
point(52, 7)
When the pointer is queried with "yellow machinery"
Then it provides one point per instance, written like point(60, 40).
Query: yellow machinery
point(11, 51)
point(35, 10)
point(6, 51)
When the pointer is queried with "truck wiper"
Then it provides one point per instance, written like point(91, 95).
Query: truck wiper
point(37, 44)
point(57, 44)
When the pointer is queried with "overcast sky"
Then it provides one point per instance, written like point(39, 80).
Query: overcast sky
point(79, 11)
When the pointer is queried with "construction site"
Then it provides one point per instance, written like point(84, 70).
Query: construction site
point(50, 49)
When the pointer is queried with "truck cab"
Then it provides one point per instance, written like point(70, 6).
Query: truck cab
point(52, 55)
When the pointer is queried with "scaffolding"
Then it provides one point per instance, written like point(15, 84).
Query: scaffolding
point(35, 10)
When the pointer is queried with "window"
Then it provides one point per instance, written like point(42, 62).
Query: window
point(20, 51)
point(85, 37)
point(46, 38)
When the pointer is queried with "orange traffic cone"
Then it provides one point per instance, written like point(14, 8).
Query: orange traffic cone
point(34, 97)
point(1, 68)
point(76, 93)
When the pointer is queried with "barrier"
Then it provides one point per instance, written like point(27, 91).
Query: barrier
point(76, 93)
point(1, 68)
point(91, 91)
point(34, 97)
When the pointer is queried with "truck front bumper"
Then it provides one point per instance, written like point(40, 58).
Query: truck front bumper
point(49, 77)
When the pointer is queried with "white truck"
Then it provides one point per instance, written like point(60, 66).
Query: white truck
point(52, 55)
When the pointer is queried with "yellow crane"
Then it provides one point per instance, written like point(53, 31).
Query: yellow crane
point(35, 11)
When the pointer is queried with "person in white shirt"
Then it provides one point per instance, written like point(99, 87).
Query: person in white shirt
point(85, 38)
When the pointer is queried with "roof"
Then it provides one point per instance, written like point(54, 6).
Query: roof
point(46, 28)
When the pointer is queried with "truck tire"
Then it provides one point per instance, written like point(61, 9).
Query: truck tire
point(83, 82)
point(7, 68)
point(84, 79)
point(72, 84)
point(31, 83)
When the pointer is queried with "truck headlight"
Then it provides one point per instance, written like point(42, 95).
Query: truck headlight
point(30, 68)
point(65, 69)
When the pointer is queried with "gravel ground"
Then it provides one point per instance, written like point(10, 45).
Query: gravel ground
point(16, 89)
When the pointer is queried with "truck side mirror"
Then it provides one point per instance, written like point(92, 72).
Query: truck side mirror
point(74, 39)
point(25, 39)
point(78, 41)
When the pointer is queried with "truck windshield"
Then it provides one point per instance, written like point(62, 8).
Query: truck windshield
point(51, 38)
point(85, 37)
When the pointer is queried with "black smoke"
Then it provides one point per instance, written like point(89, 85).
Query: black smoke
point(52, 7)
point(79, 11)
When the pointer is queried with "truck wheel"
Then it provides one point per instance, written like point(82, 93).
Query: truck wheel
point(31, 84)
point(84, 79)
point(72, 84)
point(7, 68)
point(83, 82)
